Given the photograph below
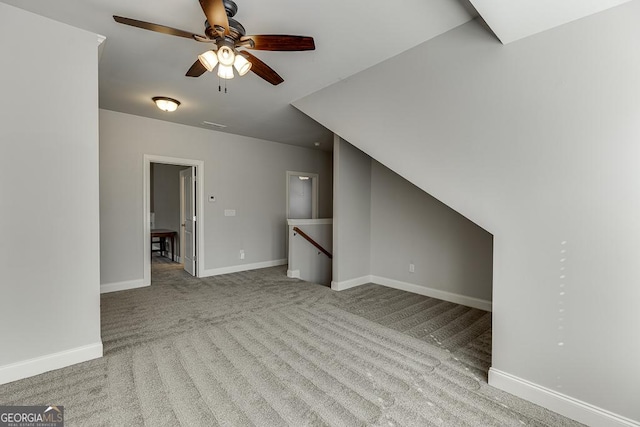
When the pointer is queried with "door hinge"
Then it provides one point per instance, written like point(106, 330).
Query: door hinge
point(195, 218)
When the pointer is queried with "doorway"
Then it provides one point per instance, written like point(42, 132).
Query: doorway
point(176, 220)
point(302, 195)
point(302, 198)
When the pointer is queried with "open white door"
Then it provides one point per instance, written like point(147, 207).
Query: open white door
point(188, 218)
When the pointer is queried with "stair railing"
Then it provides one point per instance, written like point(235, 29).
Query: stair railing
point(296, 230)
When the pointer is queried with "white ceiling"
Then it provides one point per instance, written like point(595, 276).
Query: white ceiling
point(513, 20)
point(350, 36)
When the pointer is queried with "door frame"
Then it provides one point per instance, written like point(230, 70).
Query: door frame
point(182, 209)
point(314, 191)
point(182, 238)
point(146, 205)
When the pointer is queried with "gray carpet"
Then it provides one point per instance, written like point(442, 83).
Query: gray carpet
point(258, 348)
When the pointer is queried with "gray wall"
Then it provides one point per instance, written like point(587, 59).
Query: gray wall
point(244, 174)
point(351, 212)
point(450, 253)
point(49, 259)
point(166, 190)
point(383, 223)
point(300, 200)
point(537, 142)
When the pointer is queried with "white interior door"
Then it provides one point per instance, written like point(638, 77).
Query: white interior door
point(188, 217)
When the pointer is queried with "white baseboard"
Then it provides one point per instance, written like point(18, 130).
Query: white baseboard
point(562, 404)
point(122, 286)
point(39, 365)
point(413, 288)
point(294, 274)
point(433, 293)
point(243, 267)
point(351, 283)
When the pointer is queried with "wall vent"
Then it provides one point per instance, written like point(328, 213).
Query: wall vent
point(214, 125)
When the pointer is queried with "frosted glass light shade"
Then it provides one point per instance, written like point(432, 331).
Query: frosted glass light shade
point(166, 104)
point(225, 71)
point(226, 56)
point(242, 65)
point(209, 60)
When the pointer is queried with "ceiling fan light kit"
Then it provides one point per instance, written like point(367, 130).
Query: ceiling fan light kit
point(226, 55)
point(209, 59)
point(228, 35)
point(166, 104)
point(241, 65)
point(225, 71)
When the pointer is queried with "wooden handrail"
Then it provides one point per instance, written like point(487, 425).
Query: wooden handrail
point(313, 242)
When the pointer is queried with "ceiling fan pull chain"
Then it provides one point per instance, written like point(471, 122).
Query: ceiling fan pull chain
point(219, 86)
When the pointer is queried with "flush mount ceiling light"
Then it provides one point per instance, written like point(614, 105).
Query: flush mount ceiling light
point(166, 104)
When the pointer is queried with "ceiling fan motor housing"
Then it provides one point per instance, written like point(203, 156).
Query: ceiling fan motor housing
point(236, 30)
point(230, 7)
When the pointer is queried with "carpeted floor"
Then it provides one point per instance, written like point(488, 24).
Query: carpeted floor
point(258, 348)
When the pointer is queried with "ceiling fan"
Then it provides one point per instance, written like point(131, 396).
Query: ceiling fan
point(228, 35)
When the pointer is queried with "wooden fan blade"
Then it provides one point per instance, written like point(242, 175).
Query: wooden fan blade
point(216, 14)
point(156, 27)
point(196, 70)
point(280, 42)
point(262, 69)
